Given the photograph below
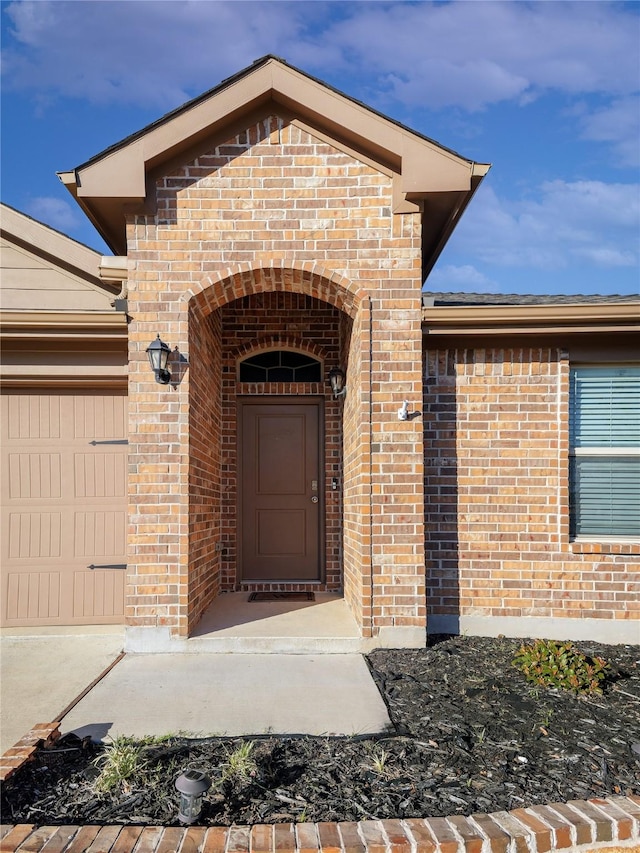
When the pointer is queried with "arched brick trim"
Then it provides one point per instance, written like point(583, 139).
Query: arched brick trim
point(240, 280)
point(285, 342)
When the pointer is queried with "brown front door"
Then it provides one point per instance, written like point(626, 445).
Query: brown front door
point(280, 490)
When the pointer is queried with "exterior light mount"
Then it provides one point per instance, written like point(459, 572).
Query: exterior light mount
point(337, 381)
point(158, 353)
point(192, 785)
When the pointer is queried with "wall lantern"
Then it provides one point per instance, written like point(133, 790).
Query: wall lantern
point(158, 353)
point(337, 380)
point(192, 785)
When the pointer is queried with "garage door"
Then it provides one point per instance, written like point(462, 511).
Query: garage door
point(64, 500)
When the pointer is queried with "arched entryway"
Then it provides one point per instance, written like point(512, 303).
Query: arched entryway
point(238, 422)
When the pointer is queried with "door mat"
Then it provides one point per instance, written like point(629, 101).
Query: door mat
point(282, 596)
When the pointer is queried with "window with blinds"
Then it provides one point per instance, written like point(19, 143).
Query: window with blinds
point(605, 451)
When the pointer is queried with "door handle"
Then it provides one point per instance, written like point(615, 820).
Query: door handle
point(314, 500)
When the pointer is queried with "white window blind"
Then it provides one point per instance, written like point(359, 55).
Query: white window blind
point(605, 451)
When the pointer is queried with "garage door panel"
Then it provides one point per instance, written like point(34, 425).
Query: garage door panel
point(33, 416)
point(34, 535)
point(99, 418)
point(100, 534)
point(98, 594)
point(33, 596)
point(100, 475)
point(64, 507)
point(34, 475)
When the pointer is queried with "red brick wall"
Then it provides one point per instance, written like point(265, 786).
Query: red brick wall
point(274, 209)
point(279, 320)
point(497, 497)
point(206, 479)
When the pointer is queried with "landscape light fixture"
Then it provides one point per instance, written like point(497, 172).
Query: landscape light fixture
point(192, 785)
point(158, 353)
point(337, 380)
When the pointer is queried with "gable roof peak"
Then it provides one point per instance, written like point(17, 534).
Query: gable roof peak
point(425, 170)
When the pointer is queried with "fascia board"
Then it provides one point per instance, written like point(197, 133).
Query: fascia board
point(39, 239)
point(202, 118)
point(510, 319)
point(426, 167)
point(36, 372)
point(113, 268)
point(62, 323)
point(122, 173)
point(332, 110)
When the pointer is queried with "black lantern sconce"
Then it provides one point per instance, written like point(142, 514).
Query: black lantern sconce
point(337, 380)
point(158, 353)
point(192, 785)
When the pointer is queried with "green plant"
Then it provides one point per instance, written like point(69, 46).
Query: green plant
point(118, 764)
point(240, 765)
point(552, 664)
point(379, 761)
point(546, 716)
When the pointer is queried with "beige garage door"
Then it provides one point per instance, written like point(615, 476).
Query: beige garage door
point(64, 499)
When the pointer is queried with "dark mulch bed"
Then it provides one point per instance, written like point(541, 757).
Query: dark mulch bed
point(470, 735)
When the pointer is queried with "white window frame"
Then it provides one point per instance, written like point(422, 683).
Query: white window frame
point(598, 448)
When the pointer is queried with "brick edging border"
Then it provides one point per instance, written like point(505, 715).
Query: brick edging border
point(42, 735)
point(610, 824)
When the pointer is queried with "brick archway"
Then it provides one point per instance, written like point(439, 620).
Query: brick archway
point(239, 280)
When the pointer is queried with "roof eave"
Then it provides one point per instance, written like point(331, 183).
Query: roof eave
point(107, 183)
point(439, 321)
point(60, 325)
point(433, 248)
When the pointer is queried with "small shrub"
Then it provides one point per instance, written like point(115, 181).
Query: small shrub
point(554, 664)
point(240, 765)
point(119, 763)
point(379, 761)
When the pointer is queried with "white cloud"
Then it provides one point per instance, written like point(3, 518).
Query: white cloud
point(566, 224)
point(54, 212)
point(619, 124)
point(464, 278)
point(413, 55)
point(141, 53)
point(474, 54)
point(466, 54)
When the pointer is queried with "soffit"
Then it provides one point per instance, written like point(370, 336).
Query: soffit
point(427, 172)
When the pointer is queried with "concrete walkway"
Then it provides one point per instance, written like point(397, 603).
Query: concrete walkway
point(197, 693)
point(43, 670)
point(227, 694)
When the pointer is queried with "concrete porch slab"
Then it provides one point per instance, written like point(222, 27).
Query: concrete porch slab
point(226, 694)
point(234, 624)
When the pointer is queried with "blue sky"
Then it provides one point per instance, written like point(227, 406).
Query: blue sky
point(545, 91)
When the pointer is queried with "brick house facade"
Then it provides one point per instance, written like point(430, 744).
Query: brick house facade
point(274, 215)
point(501, 557)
